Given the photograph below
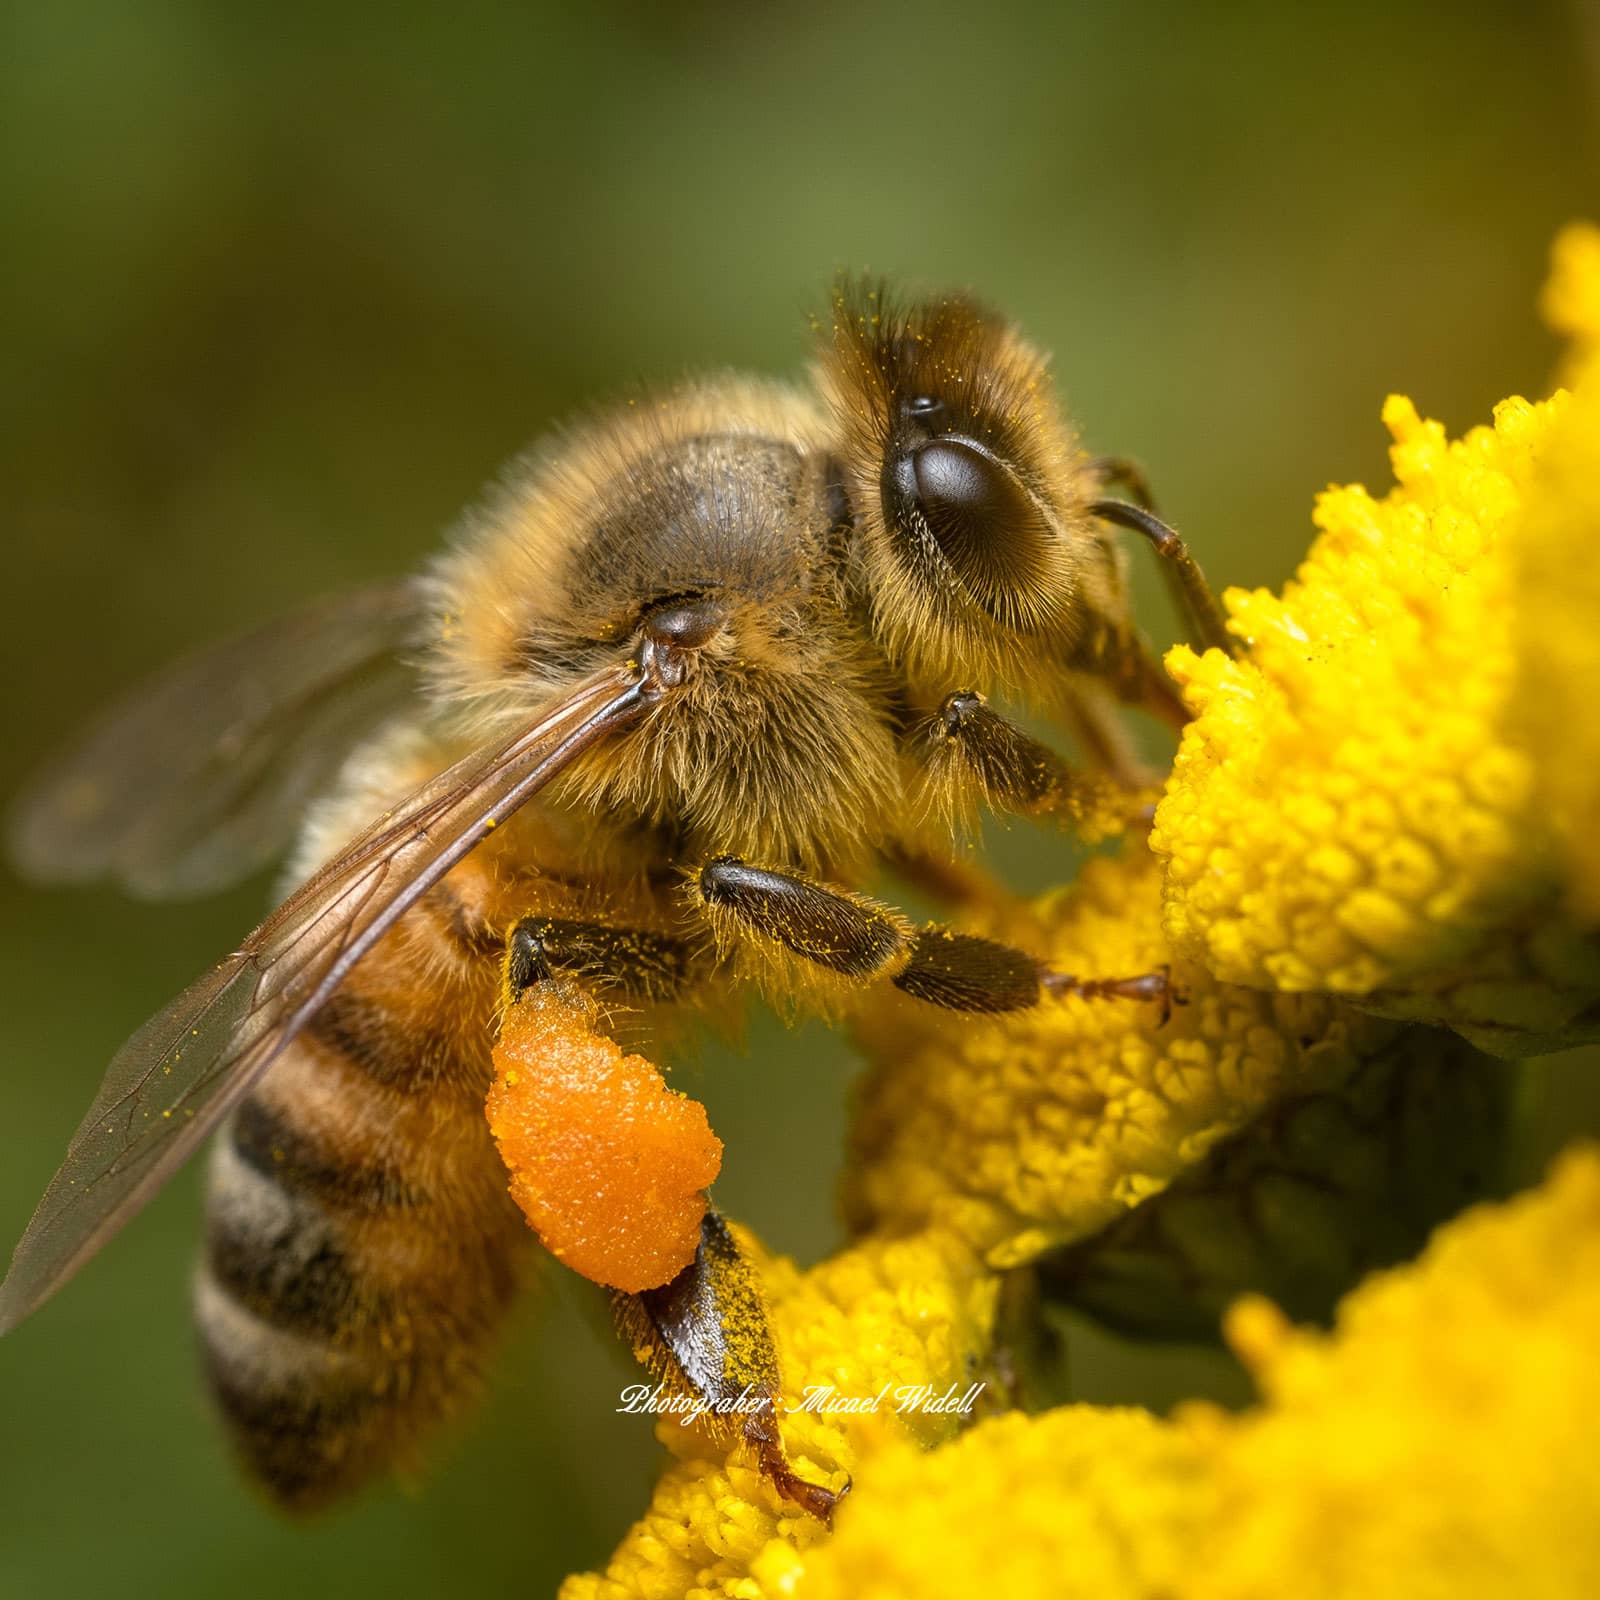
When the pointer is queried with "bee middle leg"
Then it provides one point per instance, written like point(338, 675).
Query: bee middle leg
point(857, 939)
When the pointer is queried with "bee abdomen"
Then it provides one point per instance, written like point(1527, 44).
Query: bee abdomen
point(280, 1255)
point(301, 1410)
point(361, 1251)
point(293, 1331)
point(365, 1035)
point(269, 1143)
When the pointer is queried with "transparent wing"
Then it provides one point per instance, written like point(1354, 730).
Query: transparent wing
point(200, 775)
point(179, 1074)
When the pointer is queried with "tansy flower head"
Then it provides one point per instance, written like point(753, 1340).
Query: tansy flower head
point(1557, 615)
point(1356, 808)
point(1571, 300)
point(1039, 1128)
point(1384, 818)
point(1413, 1453)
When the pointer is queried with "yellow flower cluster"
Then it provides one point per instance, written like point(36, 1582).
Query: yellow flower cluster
point(1387, 811)
point(1557, 627)
point(1439, 1444)
point(1037, 1129)
point(1571, 299)
point(1354, 809)
point(1085, 1500)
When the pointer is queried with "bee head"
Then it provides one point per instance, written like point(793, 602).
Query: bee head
point(966, 482)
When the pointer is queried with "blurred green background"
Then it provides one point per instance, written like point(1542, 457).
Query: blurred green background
point(286, 284)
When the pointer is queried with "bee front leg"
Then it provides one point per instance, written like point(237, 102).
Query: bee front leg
point(1123, 472)
point(705, 1336)
point(970, 755)
point(856, 940)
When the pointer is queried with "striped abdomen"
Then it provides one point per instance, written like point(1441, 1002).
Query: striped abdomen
point(361, 1246)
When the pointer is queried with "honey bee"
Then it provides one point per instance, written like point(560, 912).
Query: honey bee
point(678, 688)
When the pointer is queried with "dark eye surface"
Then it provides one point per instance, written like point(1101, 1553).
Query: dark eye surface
point(960, 484)
point(988, 528)
point(974, 506)
point(924, 406)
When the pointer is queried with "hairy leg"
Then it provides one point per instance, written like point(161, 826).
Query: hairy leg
point(642, 966)
point(972, 757)
point(624, 1201)
point(800, 923)
point(705, 1336)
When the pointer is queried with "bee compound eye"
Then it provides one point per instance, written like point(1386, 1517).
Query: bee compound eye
point(989, 529)
point(967, 496)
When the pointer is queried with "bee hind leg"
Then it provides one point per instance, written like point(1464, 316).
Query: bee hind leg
point(641, 965)
point(607, 1163)
point(706, 1338)
point(703, 1333)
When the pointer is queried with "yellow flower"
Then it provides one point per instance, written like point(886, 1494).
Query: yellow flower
point(1355, 809)
point(1571, 300)
point(1038, 1128)
point(1385, 815)
point(1446, 1430)
point(1439, 1444)
point(1082, 1501)
point(1557, 626)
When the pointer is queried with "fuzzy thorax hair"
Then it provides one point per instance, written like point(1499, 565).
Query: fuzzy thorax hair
point(778, 747)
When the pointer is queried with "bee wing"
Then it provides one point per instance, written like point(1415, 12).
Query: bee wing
point(200, 775)
point(175, 1079)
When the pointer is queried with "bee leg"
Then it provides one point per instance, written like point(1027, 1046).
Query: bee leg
point(1188, 583)
point(1091, 709)
point(705, 1337)
point(1141, 679)
point(643, 966)
point(608, 1164)
point(1157, 986)
point(847, 934)
point(858, 939)
point(1208, 625)
point(963, 972)
point(968, 751)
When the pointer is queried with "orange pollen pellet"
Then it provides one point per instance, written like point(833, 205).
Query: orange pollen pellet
point(608, 1164)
